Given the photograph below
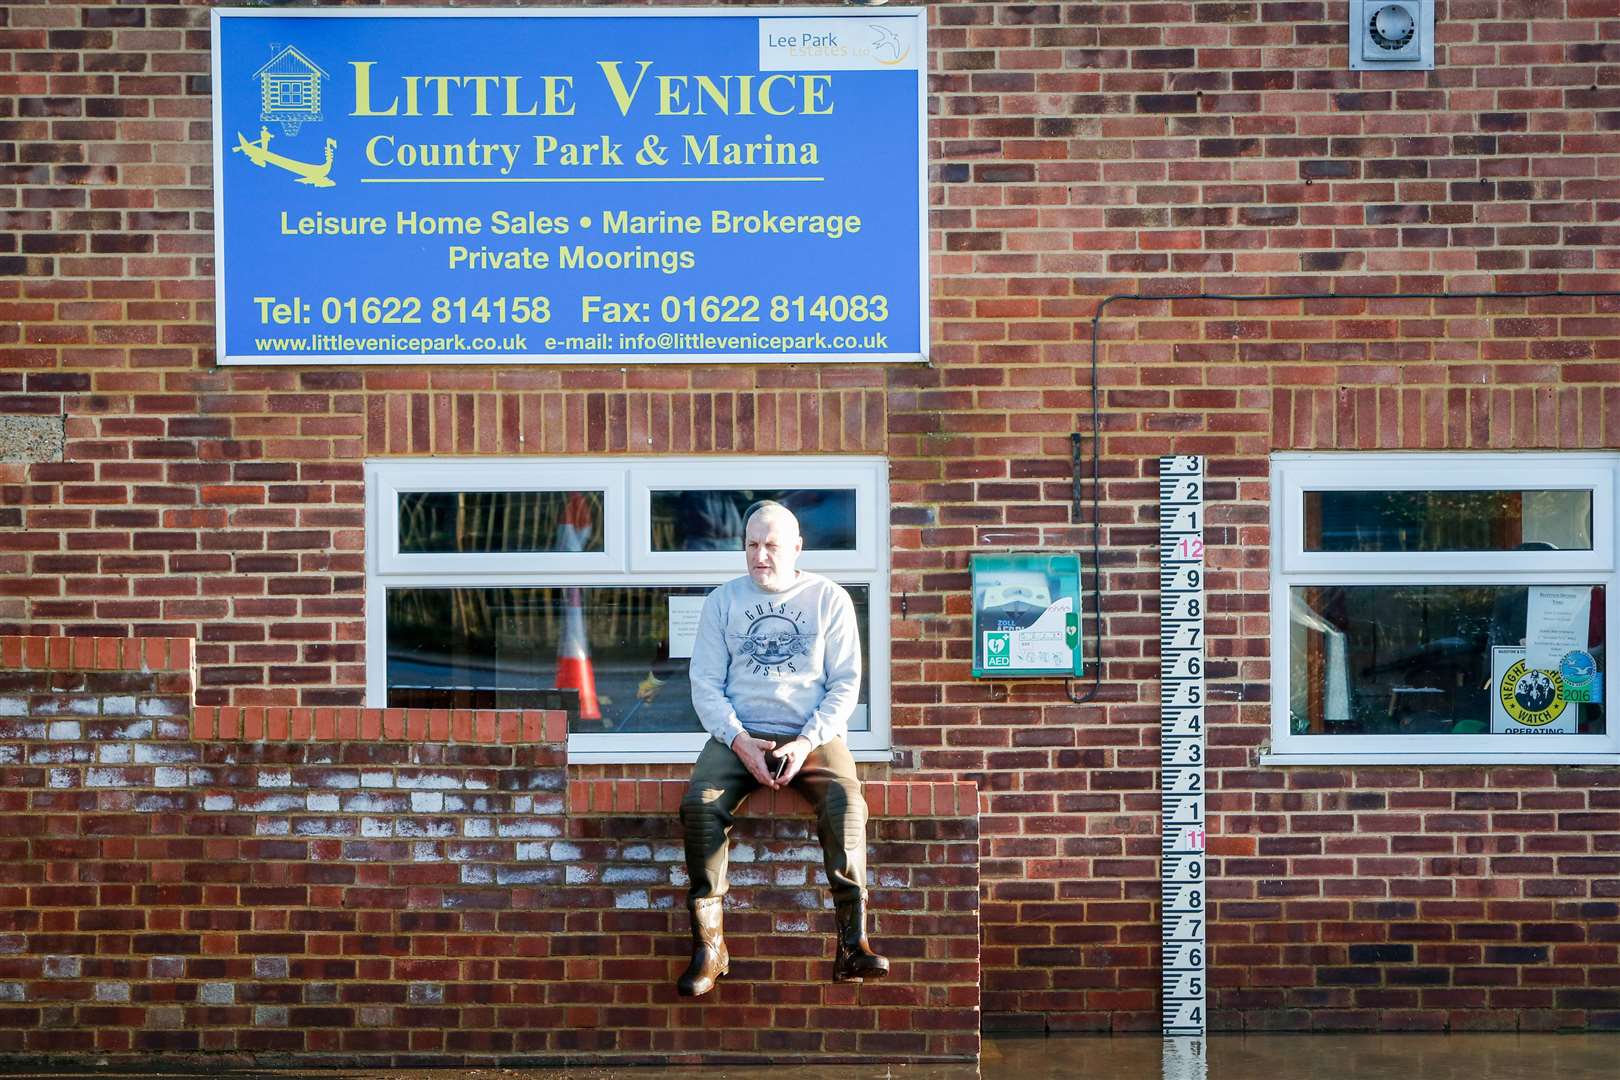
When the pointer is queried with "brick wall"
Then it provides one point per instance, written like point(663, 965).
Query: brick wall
point(1076, 151)
point(388, 887)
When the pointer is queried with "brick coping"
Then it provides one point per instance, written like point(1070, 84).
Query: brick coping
point(30, 652)
point(884, 798)
point(525, 727)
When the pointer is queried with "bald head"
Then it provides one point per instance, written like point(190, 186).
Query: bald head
point(772, 547)
point(773, 512)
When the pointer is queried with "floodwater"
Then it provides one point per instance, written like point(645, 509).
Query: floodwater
point(1088, 1057)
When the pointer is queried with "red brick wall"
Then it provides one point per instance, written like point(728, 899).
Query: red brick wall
point(1077, 151)
point(388, 887)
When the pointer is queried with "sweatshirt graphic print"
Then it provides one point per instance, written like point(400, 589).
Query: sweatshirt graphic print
point(781, 664)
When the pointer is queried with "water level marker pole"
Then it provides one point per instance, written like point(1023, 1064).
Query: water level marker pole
point(1181, 743)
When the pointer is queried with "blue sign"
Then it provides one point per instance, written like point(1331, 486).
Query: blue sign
point(569, 186)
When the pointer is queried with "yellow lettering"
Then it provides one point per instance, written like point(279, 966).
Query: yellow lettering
point(669, 95)
point(380, 141)
point(480, 85)
point(362, 91)
point(557, 90)
point(511, 98)
point(765, 94)
point(624, 97)
point(815, 92)
point(720, 97)
point(443, 83)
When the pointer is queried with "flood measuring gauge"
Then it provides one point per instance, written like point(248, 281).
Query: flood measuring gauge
point(1181, 744)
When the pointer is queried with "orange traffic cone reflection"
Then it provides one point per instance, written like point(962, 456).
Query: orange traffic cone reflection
point(574, 653)
point(574, 657)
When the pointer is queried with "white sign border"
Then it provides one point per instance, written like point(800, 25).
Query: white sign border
point(224, 359)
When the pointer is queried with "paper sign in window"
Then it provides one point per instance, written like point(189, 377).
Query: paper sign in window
point(683, 625)
point(1555, 624)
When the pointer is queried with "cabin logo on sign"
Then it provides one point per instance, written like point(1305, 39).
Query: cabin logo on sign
point(289, 95)
point(289, 89)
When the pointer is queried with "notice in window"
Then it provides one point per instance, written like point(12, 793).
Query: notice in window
point(683, 625)
point(1527, 700)
point(1555, 624)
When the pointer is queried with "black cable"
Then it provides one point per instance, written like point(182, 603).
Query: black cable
point(1096, 525)
point(1096, 421)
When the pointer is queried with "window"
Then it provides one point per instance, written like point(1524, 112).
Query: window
point(574, 584)
point(1442, 608)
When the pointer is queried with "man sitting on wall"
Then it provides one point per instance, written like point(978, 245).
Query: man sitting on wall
point(776, 673)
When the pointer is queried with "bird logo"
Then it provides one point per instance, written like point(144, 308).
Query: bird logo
point(887, 47)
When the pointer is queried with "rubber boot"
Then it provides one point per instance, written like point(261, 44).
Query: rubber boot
point(709, 957)
point(855, 961)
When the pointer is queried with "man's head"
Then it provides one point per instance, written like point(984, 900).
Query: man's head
point(772, 545)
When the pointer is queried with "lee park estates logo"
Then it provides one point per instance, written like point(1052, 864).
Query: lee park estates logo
point(289, 95)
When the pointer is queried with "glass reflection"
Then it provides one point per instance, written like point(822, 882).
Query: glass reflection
point(698, 519)
point(500, 648)
point(1412, 659)
point(466, 522)
point(1448, 520)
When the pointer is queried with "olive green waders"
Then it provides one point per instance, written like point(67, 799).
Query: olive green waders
point(720, 784)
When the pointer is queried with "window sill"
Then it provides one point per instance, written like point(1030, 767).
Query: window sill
point(1439, 759)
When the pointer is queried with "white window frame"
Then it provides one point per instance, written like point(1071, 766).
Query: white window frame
point(627, 484)
point(387, 480)
point(1293, 474)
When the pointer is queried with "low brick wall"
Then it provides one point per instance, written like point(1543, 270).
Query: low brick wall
point(398, 887)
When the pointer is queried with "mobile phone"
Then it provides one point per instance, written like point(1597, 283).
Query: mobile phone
point(781, 767)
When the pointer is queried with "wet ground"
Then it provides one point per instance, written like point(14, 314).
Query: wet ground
point(1230, 1057)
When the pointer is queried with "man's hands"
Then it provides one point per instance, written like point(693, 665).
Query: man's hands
point(752, 753)
point(794, 754)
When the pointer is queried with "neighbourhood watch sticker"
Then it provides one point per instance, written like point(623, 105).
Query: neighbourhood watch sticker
point(1527, 700)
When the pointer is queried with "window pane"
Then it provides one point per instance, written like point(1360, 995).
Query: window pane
point(498, 648)
point(697, 519)
point(1430, 660)
point(467, 522)
point(1448, 520)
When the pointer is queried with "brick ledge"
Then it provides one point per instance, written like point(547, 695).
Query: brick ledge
point(884, 798)
point(33, 652)
point(304, 724)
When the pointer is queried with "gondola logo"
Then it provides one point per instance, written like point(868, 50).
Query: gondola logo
point(289, 95)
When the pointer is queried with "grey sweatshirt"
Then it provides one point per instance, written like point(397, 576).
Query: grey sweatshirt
point(785, 663)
